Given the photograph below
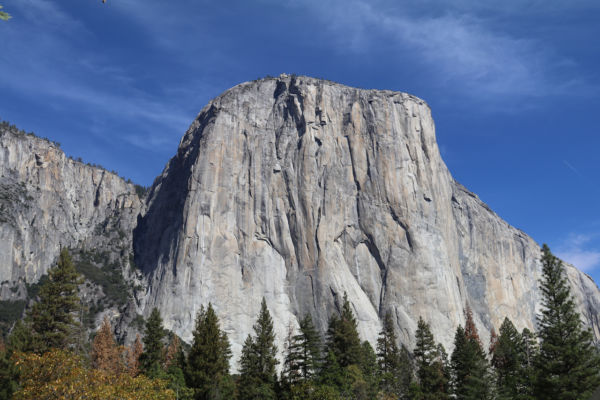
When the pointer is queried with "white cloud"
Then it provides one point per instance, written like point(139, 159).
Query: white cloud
point(457, 47)
point(575, 250)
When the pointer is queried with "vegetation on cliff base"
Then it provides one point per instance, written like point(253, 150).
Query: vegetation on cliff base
point(561, 363)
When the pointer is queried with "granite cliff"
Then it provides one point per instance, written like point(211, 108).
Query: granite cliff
point(291, 188)
point(299, 190)
point(49, 201)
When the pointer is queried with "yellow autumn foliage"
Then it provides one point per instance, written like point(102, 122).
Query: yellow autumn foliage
point(62, 375)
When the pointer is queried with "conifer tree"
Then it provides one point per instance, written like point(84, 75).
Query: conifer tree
point(530, 353)
point(333, 376)
point(430, 365)
point(445, 371)
point(207, 366)
point(174, 369)
point(308, 345)
point(20, 337)
point(106, 355)
point(153, 356)
point(258, 378)
point(290, 373)
point(53, 319)
point(389, 359)
point(369, 371)
point(509, 360)
point(406, 372)
point(302, 359)
point(471, 378)
point(342, 337)
point(567, 365)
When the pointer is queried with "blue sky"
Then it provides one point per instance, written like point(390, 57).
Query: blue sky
point(513, 85)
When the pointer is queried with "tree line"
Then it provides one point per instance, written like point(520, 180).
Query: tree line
point(45, 356)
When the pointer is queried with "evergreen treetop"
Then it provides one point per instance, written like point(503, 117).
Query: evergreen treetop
point(207, 367)
point(53, 318)
point(342, 336)
point(510, 364)
point(470, 370)
point(303, 354)
point(258, 377)
point(394, 364)
point(153, 355)
point(568, 365)
point(387, 349)
point(431, 365)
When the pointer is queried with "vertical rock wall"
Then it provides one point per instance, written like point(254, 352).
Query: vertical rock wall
point(299, 190)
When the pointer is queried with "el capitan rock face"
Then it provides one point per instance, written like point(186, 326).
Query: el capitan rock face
point(291, 188)
point(299, 190)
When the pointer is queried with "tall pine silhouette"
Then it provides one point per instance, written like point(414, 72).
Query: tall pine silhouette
point(258, 378)
point(302, 360)
point(153, 355)
point(207, 367)
point(342, 337)
point(394, 369)
point(430, 359)
point(53, 319)
point(470, 369)
point(568, 364)
point(509, 359)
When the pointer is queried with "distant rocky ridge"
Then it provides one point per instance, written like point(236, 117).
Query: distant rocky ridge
point(291, 188)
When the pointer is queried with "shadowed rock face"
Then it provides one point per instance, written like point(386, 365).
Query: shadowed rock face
point(299, 190)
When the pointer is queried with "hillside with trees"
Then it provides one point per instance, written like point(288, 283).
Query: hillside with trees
point(47, 356)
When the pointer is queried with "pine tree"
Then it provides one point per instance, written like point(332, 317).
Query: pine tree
point(509, 362)
point(333, 376)
point(53, 318)
point(530, 353)
point(174, 366)
point(207, 366)
point(430, 363)
point(20, 337)
point(388, 356)
point(308, 343)
point(342, 337)
point(568, 365)
point(303, 355)
point(290, 373)
point(258, 378)
point(106, 355)
point(153, 356)
point(471, 378)
point(445, 371)
point(370, 372)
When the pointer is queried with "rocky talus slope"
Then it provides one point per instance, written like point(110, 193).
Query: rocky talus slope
point(299, 190)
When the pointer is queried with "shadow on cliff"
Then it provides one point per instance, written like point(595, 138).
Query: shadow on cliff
point(155, 237)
